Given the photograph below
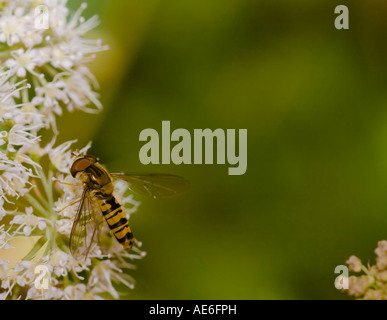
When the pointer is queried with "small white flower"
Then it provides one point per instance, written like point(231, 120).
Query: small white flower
point(59, 262)
point(20, 135)
point(76, 292)
point(64, 226)
point(80, 92)
point(25, 273)
point(50, 94)
point(29, 222)
point(32, 38)
point(53, 293)
point(26, 114)
point(101, 279)
point(61, 156)
point(23, 61)
point(11, 29)
point(354, 264)
point(14, 179)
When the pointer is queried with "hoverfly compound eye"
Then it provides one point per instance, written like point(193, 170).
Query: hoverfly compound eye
point(80, 165)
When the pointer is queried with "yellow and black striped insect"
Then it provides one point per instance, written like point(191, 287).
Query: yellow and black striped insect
point(97, 201)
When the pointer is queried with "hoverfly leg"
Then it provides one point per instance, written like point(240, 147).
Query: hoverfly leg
point(69, 205)
point(66, 183)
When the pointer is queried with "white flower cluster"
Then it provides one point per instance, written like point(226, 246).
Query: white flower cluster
point(370, 283)
point(44, 71)
point(52, 56)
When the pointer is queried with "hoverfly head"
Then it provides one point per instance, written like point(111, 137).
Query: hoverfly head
point(82, 163)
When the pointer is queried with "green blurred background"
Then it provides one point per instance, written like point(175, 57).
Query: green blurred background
point(314, 101)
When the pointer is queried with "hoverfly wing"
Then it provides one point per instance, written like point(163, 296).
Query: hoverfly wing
point(154, 185)
point(85, 227)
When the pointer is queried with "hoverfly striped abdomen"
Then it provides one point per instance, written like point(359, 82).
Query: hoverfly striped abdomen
point(115, 217)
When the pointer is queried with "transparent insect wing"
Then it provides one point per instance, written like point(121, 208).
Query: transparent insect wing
point(154, 185)
point(84, 232)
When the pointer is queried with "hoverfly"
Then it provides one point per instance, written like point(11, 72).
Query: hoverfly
point(97, 201)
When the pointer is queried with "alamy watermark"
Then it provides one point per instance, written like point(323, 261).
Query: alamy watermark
point(342, 20)
point(204, 142)
point(42, 280)
point(42, 21)
point(342, 280)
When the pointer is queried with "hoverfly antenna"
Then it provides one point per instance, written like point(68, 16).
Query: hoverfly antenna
point(75, 153)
